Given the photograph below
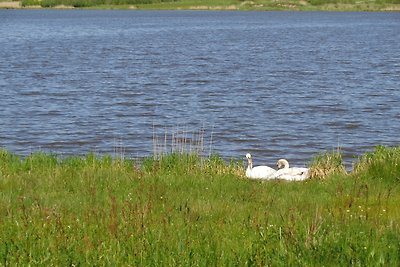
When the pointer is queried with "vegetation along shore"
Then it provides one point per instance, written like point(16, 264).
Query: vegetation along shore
point(179, 209)
point(307, 5)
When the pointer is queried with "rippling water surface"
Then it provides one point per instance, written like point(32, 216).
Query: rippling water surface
point(277, 84)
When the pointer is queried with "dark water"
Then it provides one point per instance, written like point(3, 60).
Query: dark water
point(276, 84)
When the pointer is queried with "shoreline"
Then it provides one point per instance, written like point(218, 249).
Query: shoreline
point(245, 6)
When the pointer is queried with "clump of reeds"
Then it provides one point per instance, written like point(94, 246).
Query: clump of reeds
point(180, 141)
point(180, 150)
point(326, 164)
point(187, 152)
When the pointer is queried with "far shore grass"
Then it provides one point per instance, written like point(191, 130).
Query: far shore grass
point(262, 5)
point(180, 209)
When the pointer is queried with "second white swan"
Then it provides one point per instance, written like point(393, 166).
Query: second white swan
point(291, 174)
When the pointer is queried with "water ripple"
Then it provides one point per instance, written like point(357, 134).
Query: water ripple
point(276, 84)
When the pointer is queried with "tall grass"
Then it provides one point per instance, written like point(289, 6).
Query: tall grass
point(381, 165)
point(183, 210)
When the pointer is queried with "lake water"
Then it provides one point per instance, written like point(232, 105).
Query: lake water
point(276, 84)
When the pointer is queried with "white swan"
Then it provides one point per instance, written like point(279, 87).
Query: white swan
point(259, 172)
point(291, 174)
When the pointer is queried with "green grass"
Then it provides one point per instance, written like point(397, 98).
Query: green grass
point(182, 210)
point(335, 5)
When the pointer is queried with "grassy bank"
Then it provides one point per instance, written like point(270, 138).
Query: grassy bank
point(331, 5)
point(180, 210)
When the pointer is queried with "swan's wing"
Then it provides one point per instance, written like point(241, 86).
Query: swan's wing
point(292, 174)
point(279, 173)
point(261, 172)
point(298, 171)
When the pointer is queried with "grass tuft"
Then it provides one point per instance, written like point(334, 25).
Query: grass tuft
point(327, 164)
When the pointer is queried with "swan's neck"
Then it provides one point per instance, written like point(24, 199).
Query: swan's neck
point(286, 166)
point(283, 164)
point(250, 164)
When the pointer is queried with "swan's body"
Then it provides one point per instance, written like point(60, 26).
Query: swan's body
point(291, 174)
point(259, 172)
